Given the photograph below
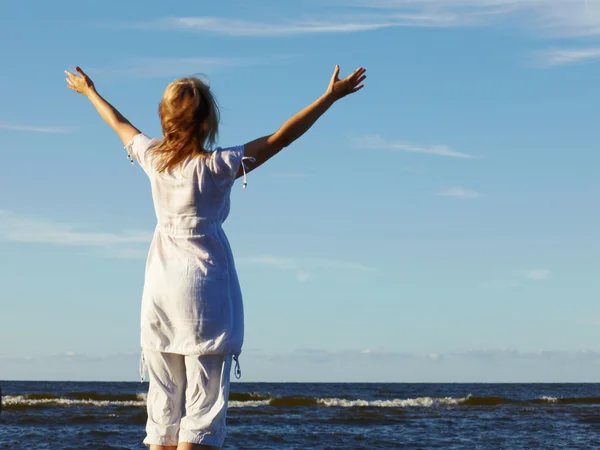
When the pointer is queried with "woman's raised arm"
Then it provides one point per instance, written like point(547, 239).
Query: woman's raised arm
point(85, 86)
point(262, 149)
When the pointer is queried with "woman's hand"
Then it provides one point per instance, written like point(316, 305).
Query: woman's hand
point(352, 83)
point(85, 86)
point(82, 84)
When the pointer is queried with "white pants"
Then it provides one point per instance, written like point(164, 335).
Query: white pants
point(187, 398)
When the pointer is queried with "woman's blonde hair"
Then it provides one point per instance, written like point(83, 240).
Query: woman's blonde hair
point(189, 116)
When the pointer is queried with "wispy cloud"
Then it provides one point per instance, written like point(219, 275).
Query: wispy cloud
point(324, 355)
point(458, 192)
point(287, 264)
point(237, 27)
point(481, 355)
point(17, 228)
point(567, 19)
point(407, 14)
point(560, 57)
point(292, 175)
point(537, 274)
point(34, 129)
point(70, 356)
point(378, 143)
point(366, 364)
point(305, 268)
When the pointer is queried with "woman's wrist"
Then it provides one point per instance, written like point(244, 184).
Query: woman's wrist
point(329, 98)
point(91, 93)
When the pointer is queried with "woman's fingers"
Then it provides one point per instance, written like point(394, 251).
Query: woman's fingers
point(79, 82)
point(352, 84)
point(336, 72)
point(358, 72)
point(73, 76)
point(355, 75)
point(358, 88)
point(82, 73)
point(334, 77)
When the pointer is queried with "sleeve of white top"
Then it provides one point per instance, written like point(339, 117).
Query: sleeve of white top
point(225, 164)
point(138, 148)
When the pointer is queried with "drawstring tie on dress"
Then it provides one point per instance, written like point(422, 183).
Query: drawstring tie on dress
point(244, 168)
point(142, 367)
point(237, 370)
point(128, 148)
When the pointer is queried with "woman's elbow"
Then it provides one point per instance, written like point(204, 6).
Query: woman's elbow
point(277, 143)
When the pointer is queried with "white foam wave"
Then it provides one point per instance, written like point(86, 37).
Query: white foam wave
point(11, 400)
point(396, 403)
point(549, 399)
point(249, 404)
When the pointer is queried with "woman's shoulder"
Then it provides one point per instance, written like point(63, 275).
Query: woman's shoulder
point(233, 151)
point(228, 156)
point(144, 139)
point(224, 163)
point(139, 146)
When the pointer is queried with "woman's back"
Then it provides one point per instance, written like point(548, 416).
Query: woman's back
point(200, 313)
point(193, 198)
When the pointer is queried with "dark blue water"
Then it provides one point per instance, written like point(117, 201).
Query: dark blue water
point(75, 415)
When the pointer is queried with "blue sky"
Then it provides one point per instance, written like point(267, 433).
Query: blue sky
point(440, 225)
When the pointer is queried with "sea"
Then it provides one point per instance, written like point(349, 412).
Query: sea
point(100, 415)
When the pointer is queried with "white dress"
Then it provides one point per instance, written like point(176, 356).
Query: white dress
point(192, 302)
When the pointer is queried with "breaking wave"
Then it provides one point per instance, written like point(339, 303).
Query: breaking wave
point(257, 400)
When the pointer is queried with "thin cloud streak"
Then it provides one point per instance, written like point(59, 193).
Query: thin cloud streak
point(34, 129)
point(566, 19)
point(69, 356)
point(561, 57)
point(459, 192)
point(17, 228)
point(377, 143)
point(237, 27)
point(351, 365)
point(480, 355)
point(336, 24)
point(292, 175)
point(537, 274)
point(323, 355)
point(556, 18)
point(549, 18)
point(304, 268)
point(286, 264)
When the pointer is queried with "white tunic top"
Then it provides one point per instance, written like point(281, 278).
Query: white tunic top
point(192, 302)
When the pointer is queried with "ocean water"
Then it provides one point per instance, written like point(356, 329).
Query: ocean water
point(76, 415)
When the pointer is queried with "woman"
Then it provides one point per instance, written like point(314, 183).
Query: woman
point(192, 322)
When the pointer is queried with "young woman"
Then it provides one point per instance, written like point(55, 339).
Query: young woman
point(192, 322)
